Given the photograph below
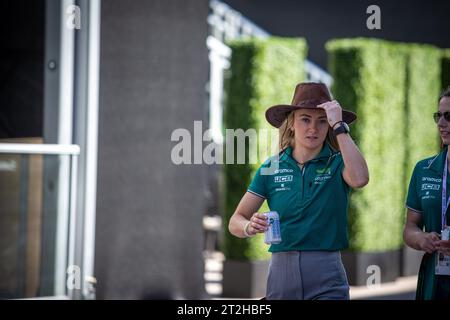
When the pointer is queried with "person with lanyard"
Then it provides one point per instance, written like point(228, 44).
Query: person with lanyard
point(308, 185)
point(426, 227)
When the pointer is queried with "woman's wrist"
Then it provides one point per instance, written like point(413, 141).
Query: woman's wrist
point(337, 122)
point(418, 240)
point(246, 234)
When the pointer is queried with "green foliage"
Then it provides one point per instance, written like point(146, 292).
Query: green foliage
point(393, 89)
point(422, 91)
point(445, 68)
point(263, 72)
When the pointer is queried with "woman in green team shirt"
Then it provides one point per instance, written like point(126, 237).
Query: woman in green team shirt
point(317, 166)
point(427, 218)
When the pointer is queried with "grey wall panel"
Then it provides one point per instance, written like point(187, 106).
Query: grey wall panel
point(153, 72)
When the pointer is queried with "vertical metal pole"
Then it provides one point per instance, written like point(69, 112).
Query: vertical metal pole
point(91, 146)
point(73, 221)
point(86, 135)
point(65, 121)
point(51, 112)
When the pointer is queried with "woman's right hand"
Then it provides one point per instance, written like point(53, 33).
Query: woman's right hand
point(428, 241)
point(258, 224)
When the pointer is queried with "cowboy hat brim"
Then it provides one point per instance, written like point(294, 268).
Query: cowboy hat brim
point(275, 115)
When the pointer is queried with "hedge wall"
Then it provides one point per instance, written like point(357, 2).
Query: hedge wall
point(393, 89)
point(445, 68)
point(263, 72)
point(423, 88)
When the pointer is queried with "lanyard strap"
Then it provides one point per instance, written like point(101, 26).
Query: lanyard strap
point(445, 201)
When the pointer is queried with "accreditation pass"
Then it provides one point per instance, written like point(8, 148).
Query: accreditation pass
point(443, 261)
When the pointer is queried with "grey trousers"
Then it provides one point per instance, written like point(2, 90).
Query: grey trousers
point(307, 275)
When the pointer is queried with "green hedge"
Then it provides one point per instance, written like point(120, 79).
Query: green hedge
point(263, 72)
point(393, 88)
point(423, 88)
point(445, 68)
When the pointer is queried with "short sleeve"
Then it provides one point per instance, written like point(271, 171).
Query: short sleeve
point(258, 185)
point(413, 199)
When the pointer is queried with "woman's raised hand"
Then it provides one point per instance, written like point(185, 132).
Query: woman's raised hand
point(258, 224)
point(333, 110)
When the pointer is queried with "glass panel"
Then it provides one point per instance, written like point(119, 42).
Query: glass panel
point(22, 30)
point(33, 225)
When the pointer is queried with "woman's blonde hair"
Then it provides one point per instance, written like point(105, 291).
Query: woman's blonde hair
point(287, 136)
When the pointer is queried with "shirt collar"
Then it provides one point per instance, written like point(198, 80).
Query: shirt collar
point(323, 155)
point(438, 162)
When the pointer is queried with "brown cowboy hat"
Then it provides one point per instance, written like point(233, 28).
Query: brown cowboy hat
point(308, 95)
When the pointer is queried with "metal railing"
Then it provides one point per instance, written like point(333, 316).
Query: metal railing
point(226, 23)
point(29, 148)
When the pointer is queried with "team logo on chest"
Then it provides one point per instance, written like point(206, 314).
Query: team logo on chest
point(322, 175)
point(324, 171)
point(429, 183)
point(280, 179)
point(430, 186)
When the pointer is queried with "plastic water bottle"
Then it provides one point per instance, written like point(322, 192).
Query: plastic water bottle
point(445, 234)
point(273, 233)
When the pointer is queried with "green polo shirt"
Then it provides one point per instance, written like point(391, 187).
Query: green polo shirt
point(424, 197)
point(312, 202)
